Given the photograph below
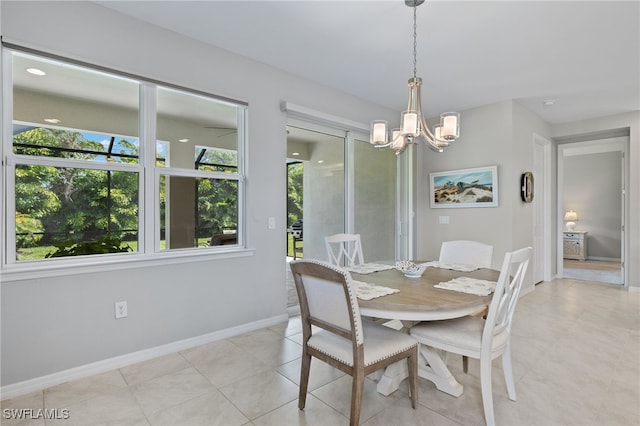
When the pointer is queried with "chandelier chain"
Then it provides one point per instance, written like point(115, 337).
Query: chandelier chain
point(415, 40)
point(413, 126)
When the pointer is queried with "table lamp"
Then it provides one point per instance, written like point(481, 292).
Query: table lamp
point(571, 217)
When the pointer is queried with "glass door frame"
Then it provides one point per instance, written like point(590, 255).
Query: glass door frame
point(404, 244)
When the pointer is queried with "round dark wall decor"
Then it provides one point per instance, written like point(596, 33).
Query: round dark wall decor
point(526, 187)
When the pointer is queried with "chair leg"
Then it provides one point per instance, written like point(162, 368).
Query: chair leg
point(508, 373)
point(487, 396)
point(357, 389)
point(304, 380)
point(412, 363)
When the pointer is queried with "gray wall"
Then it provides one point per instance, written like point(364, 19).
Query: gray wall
point(592, 187)
point(499, 134)
point(53, 323)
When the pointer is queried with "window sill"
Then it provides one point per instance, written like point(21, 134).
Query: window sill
point(98, 263)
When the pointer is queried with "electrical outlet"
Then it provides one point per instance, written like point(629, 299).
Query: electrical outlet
point(121, 309)
point(272, 223)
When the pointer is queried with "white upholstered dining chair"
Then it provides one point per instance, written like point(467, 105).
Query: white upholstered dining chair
point(334, 332)
point(345, 248)
point(484, 339)
point(466, 252)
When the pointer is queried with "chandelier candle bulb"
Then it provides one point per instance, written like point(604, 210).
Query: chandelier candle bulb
point(379, 132)
point(410, 125)
point(449, 125)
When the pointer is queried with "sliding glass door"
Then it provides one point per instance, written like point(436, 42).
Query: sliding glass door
point(348, 186)
point(374, 199)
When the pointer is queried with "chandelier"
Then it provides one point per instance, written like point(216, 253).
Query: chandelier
point(413, 125)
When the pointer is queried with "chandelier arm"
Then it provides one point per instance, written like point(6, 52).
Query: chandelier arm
point(431, 142)
point(427, 134)
point(386, 145)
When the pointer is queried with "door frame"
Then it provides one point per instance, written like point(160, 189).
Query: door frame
point(542, 217)
point(353, 133)
point(621, 144)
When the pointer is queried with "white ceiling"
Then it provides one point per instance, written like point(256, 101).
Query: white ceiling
point(585, 55)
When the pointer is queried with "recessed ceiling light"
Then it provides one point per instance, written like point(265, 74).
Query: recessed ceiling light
point(549, 102)
point(36, 71)
point(52, 120)
point(183, 140)
point(295, 153)
point(320, 161)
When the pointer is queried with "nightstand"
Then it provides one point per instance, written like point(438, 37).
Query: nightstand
point(575, 245)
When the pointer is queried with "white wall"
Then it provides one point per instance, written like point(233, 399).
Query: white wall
point(52, 324)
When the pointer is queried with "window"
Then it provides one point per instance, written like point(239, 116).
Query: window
point(79, 180)
point(199, 188)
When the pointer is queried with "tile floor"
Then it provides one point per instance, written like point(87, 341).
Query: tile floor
point(576, 349)
point(593, 270)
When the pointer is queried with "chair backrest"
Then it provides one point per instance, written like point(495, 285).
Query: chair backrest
point(327, 299)
point(466, 253)
point(505, 296)
point(344, 249)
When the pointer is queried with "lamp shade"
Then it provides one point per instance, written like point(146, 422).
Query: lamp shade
point(571, 215)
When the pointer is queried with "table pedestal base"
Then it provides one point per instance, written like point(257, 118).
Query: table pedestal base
point(436, 370)
point(431, 366)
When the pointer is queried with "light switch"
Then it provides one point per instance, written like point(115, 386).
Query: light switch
point(443, 220)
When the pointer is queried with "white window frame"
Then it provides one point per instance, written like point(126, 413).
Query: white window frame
point(148, 177)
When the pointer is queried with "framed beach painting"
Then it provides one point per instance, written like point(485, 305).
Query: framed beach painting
point(464, 188)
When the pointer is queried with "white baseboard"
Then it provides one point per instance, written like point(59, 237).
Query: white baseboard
point(293, 310)
point(21, 388)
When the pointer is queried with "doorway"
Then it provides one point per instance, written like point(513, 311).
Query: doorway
point(592, 178)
